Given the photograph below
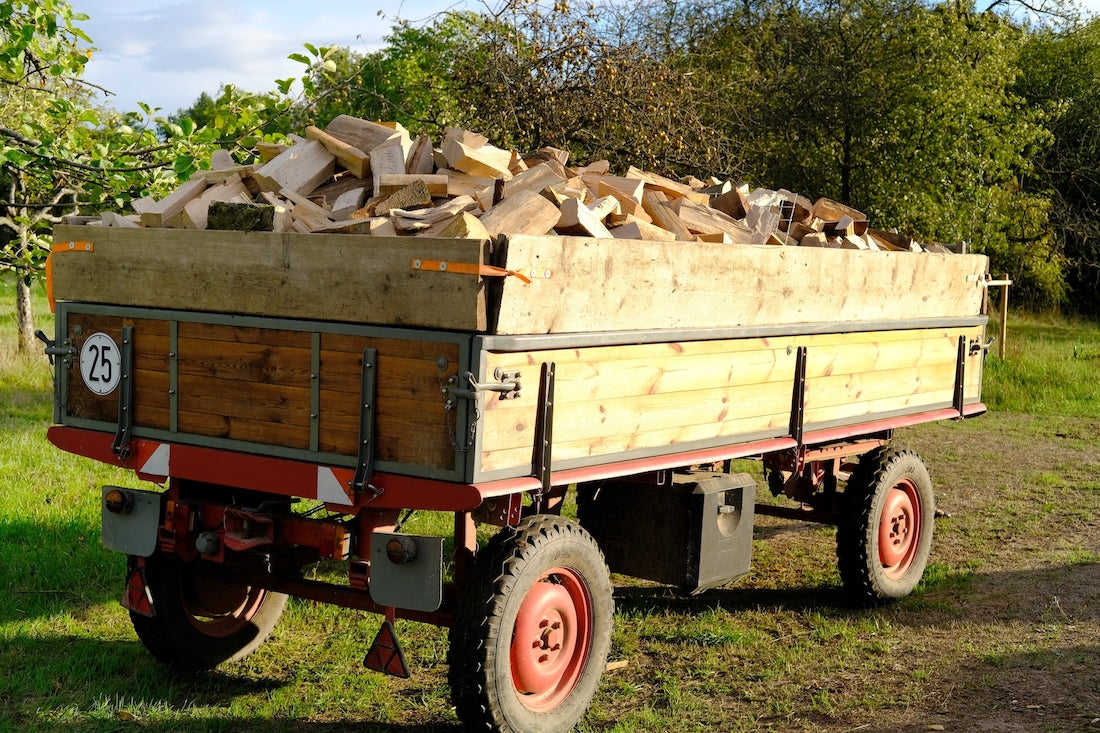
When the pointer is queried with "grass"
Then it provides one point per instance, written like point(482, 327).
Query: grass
point(1005, 618)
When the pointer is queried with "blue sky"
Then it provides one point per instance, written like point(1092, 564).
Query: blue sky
point(166, 52)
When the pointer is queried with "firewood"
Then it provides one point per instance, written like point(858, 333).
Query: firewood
point(638, 229)
point(390, 183)
point(162, 212)
point(579, 220)
point(410, 196)
point(362, 134)
point(300, 168)
point(525, 213)
point(355, 160)
point(486, 161)
point(656, 205)
point(195, 211)
point(387, 159)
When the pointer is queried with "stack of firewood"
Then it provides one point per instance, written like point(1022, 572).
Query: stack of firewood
point(362, 177)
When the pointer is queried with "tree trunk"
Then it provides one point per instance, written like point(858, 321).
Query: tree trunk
point(24, 315)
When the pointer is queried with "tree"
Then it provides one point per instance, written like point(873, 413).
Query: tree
point(1060, 73)
point(901, 108)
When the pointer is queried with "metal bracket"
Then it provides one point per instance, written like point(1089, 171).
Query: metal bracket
point(798, 396)
point(958, 401)
point(544, 427)
point(364, 465)
point(125, 432)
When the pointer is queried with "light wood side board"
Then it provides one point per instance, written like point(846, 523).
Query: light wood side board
point(576, 284)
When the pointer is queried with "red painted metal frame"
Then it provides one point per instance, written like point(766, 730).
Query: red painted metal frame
point(299, 478)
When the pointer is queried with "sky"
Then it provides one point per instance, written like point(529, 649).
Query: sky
point(165, 53)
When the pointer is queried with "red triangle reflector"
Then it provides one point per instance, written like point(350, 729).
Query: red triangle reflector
point(385, 654)
point(137, 597)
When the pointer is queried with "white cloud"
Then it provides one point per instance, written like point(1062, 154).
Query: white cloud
point(166, 53)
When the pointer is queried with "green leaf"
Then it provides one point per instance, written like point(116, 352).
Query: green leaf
point(300, 59)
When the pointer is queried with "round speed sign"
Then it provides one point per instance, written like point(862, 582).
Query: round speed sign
point(100, 363)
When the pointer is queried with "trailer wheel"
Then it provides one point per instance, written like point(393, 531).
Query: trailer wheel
point(532, 629)
point(202, 620)
point(884, 535)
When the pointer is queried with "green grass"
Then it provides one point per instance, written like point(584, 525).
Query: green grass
point(1001, 606)
point(1050, 367)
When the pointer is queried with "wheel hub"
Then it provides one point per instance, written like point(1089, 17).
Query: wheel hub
point(550, 640)
point(899, 529)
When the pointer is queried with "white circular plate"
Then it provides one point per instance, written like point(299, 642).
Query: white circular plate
point(100, 363)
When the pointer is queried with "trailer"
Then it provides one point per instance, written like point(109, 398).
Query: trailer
point(291, 398)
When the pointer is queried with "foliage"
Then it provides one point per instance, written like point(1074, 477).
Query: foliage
point(410, 81)
point(1060, 71)
point(897, 107)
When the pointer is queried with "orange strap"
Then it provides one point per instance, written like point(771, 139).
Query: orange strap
point(61, 247)
point(466, 268)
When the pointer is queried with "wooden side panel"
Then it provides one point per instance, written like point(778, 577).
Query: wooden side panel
point(150, 353)
point(611, 285)
point(411, 424)
point(256, 385)
point(332, 277)
point(655, 397)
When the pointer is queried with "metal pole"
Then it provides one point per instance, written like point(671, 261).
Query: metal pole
point(1004, 316)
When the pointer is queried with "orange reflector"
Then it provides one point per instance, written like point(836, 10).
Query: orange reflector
point(385, 654)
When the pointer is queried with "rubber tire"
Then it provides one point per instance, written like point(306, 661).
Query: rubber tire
point(862, 570)
point(503, 574)
point(175, 635)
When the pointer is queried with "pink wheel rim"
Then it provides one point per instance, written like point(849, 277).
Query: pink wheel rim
point(899, 529)
point(551, 639)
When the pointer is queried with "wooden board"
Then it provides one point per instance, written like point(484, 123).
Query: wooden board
point(601, 285)
point(255, 385)
point(593, 284)
point(311, 276)
point(612, 400)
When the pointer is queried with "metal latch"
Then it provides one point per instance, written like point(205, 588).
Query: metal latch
point(52, 349)
point(507, 386)
point(976, 346)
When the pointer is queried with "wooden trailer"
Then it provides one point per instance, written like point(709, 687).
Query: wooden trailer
point(295, 395)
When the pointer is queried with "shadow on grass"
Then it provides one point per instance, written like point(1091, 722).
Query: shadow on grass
point(1056, 594)
point(99, 678)
point(54, 567)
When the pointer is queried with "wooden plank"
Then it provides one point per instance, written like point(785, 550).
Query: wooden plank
point(638, 229)
point(276, 275)
point(599, 285)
